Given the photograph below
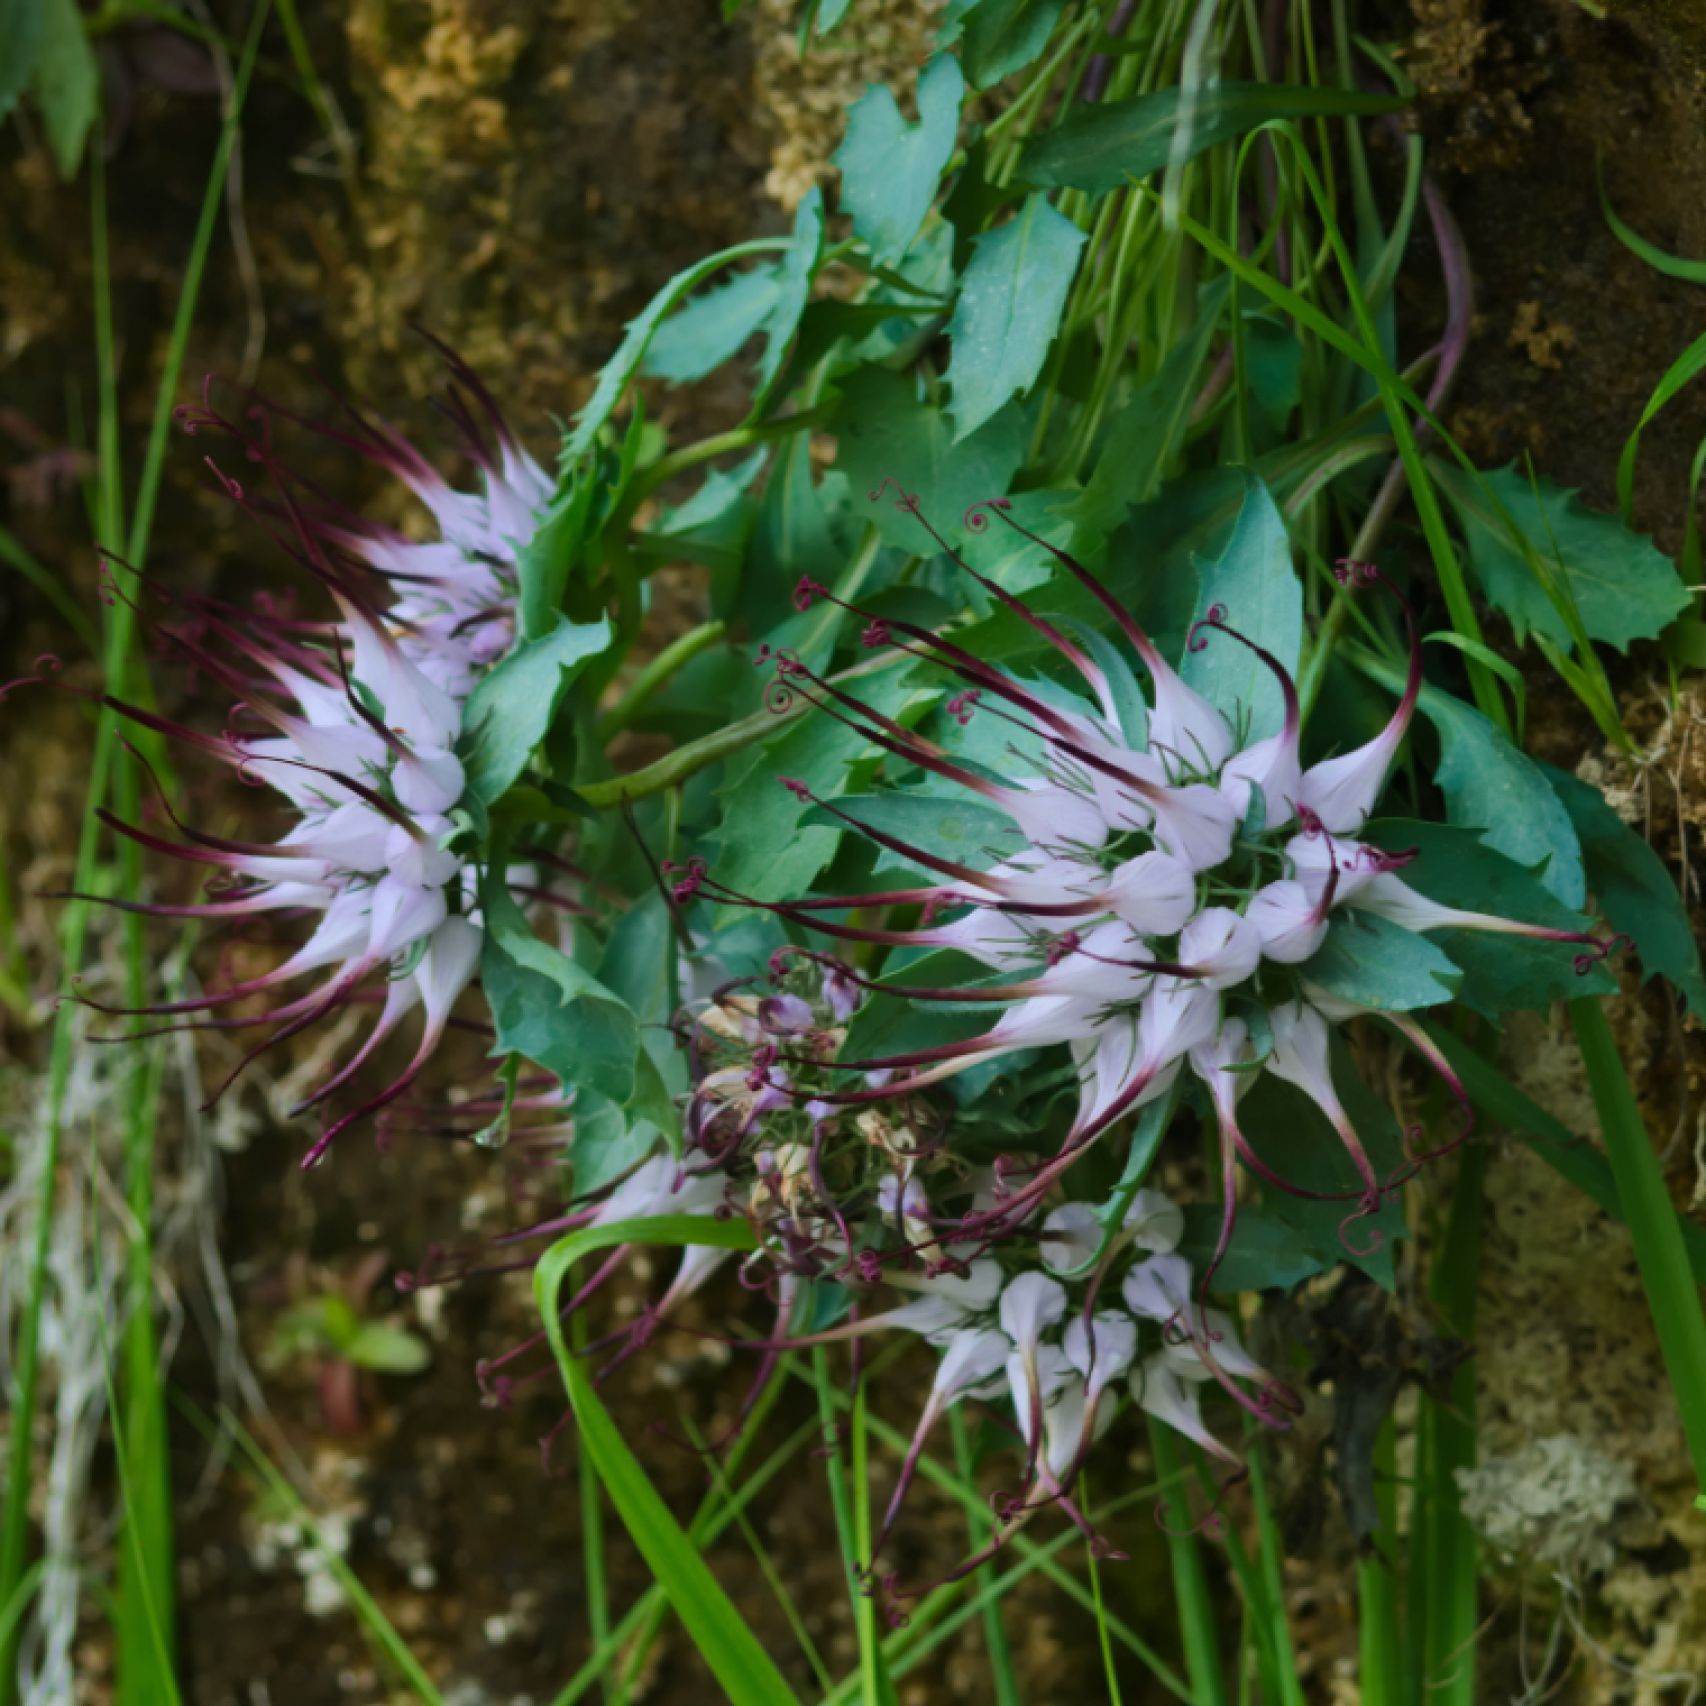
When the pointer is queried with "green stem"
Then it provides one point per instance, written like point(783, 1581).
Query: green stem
point(1379, 1666)
point(1448, 1599)
point(688, 760)
point(1672, 1295)
point(654, 674)
point(1191, 1595)
point(994, 1630)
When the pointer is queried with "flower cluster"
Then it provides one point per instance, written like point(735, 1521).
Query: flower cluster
point(1160, 893)
point(355, 723)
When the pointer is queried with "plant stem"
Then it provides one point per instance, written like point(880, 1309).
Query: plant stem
point(1190, 1581)
point(654, 674)
point(1660, 1253)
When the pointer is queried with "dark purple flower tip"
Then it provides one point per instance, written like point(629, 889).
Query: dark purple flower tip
point(807, 592)
point(907, 501)
point(797, 788)
point(1352, 571)
point(961, 706)
point(876, 635)
point(976, 519)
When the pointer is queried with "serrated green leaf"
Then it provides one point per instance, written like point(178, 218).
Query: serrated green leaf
point(1266, 1253)
point(1501, 974)
point(1009, 310)
point(387, 1350)
point(20, 42)
point(952, 827)
point(508, 713)
point(999, 37)
point(550, 1009)
point(765, 851)
point(889, 168)
point(740, 1664)
point(1634, 889)
point(885, 432)
point(614, 376)
point(1624, 588)
point(1101, 147)
point(711, 328)
point(1254, 583)
point(1490, 786)
point(67, 82)
point(1373, 962)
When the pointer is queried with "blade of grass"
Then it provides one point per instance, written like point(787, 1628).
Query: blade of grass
point(1672, 1295)
point(1445, 1605)
point(1379, 1660)
point(994, 1630)
point(634, 1631)
point(938, 1475)
point(1198, 1627)
point(761, 1556)
point(1672, 266)
point(74, 923)
point(1276, 1626)
point(852, 1524)
point(597, 1601)
point(1103, 1641)
point(728, 1646)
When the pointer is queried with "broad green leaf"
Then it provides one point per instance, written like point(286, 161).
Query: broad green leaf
point(1375, 963)
point(795, 535)
point(387, 1350)
point(740, 1664)
point(1490, 786)
point(548, 1008)
point(889, 168)
point(1292, 1136)
point(1255, 585)
point(545, 561)
point(1500, 973)
point(20, 41)
point(1624, 588)
point(607, 1141)
point(711, 328)
point(67, 81)
point(1009, 559)
point(509, 711)
point(886, 432)
point(999, 37)
point(1104, 146)
point(1266, 1254)
point(1634, 889)
point(1009, 310)
point(765, 851)
point(953, 827)
point(614, 376)
point(889, 1023)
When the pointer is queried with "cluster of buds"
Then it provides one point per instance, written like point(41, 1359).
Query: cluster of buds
point(353, 722)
